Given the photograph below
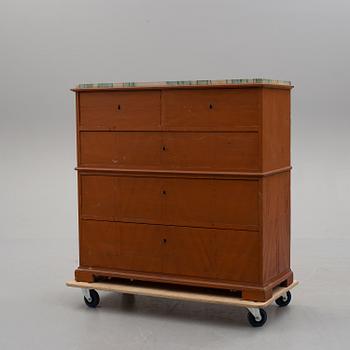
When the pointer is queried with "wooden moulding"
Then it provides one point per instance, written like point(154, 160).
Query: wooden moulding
point(181, 294)
point(182, 173)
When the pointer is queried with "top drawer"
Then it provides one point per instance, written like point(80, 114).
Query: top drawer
point(211, 109)
point(119, 110)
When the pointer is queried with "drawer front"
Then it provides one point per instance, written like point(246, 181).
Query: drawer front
point(180, 251)
point(120, 246)
point(211, 203)
point(128, 150)
point(119, 110)
point(171, 201)
point(237, 151)
point(211, 109)
point(218, 151)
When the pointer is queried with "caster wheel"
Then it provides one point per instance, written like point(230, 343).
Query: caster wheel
point(94, 299)
point(284, 300)
point(257, 323)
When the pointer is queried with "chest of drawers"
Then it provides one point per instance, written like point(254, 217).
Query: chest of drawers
point(186, 183)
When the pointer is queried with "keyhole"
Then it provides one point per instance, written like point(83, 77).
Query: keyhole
point(119, 108)
point(210, 106)
point(164, 148)
point(164, 192)
point(164, 240)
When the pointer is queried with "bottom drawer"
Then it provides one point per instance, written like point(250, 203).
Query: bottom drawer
point(182, 251)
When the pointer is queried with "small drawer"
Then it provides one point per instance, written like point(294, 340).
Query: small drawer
point(119, 110)
point(209, 109)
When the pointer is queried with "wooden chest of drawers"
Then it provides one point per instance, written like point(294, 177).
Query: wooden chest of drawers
point(186, 184)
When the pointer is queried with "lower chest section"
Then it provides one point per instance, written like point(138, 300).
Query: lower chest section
point(199, 227)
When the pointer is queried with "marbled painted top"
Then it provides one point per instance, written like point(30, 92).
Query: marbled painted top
point(183, 83)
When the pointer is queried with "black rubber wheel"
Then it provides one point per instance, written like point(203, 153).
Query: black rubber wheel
point(281, 302)
point(95, 299)
point(253, 322)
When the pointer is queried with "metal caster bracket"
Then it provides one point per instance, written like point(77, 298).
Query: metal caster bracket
point(86, 294)
point(284, 296)
point(255, 312)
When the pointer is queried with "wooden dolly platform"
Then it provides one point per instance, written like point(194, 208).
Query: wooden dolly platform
point(256, 314)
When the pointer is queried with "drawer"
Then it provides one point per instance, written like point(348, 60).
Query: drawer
point(218, 151)
point(180, 251)
point(171, 201)
point(128, 150)
point(120, 246)
point(210, 109)
point(211, 203)
point(119, 110)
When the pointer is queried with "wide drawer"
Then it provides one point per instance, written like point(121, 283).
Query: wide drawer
point(214, 254)
point(119, 110)
point(218, 151)
point(211, 109)
point(172, 201)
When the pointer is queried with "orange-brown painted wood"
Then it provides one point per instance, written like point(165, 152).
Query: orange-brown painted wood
point(211, 110)
point(168, 249)
point(187, 186)
point(171, 201)
point(120, 111)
